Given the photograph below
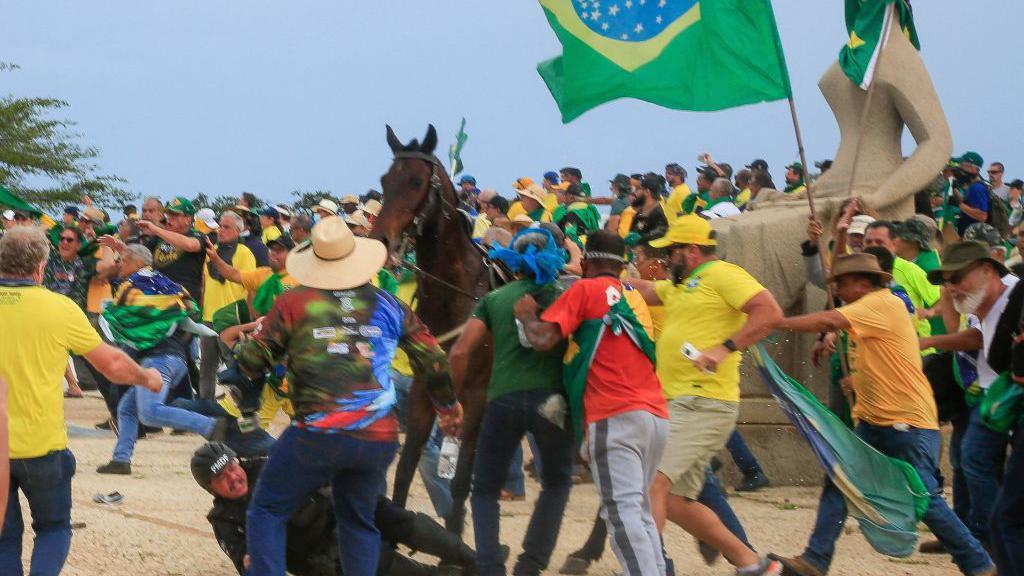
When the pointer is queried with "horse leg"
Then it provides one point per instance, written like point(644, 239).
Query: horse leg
point(474, 399)
point(419, 425)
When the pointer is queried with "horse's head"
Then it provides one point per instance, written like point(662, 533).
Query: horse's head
point(409, 185)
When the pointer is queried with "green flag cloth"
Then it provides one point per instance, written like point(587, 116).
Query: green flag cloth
point(147, 309)
point(685, 54)
point(455, 151)
point(886, 495)
point(865, 22)
point(583, 343)
point(264, 297)
point(9, 200)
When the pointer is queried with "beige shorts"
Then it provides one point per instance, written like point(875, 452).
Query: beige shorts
point(698, 429)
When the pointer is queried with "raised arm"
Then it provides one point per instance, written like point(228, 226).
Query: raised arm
point(179, 241)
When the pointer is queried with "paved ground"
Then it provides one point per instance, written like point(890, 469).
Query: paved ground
point(160, 528)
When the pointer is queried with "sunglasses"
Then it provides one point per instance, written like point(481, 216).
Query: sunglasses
point(67, 239)
point(958, 277)
point(995, 171)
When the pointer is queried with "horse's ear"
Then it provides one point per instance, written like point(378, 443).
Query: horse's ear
point(393, 140)
point(429, 141)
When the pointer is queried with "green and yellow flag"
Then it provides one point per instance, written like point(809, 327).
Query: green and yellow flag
point(682, 54)
point(865, 22)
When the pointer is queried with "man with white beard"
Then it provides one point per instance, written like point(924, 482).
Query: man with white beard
point(980, 287)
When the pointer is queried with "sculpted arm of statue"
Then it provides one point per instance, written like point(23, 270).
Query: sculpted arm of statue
point(917, 104)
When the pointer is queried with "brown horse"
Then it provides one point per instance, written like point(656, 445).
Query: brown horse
point(420, 201)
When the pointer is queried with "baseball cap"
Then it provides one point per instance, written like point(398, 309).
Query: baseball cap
point(467, 179)
point(181, 206)
point(823, 164)
point(1017, 184)
point(209, 460)
point(707, 171)
point(758, 164)
point(270, 212)
point(688, 229)
point(283, 210)
point(859, 224)
point(205, 218)
point(285, 241)
point(972, 158)
point(551, 176)
point(796, 166)
point(621, 182)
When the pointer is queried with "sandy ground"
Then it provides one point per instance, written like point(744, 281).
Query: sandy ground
point(161, 529)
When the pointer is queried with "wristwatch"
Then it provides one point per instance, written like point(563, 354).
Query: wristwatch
point(730, 345)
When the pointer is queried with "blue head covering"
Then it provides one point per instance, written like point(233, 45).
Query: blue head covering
point(543, 264)
point(552, 177)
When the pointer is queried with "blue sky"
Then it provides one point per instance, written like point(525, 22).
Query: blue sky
point(219, 97)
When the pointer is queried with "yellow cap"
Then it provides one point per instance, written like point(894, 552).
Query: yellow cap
point(689, 229)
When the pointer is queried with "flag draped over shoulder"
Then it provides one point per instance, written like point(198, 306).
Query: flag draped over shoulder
point(865, 23)
point(583, 345)
point(147, 309)
point(682, 54)
point(885, 494)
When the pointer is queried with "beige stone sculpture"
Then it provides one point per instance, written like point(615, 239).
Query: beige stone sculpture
point(766, 241)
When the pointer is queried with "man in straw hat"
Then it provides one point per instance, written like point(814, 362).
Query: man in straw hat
point(895, 408)
point(338, 334)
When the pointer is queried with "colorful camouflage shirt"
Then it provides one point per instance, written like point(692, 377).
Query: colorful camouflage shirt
point(338, 346)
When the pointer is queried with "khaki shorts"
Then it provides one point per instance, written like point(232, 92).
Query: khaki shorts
point(698, 429)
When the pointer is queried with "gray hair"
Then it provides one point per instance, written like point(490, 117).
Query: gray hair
point(140, 253)
point(723, 186)
point(232, 215)
point(22, 250)
point(538, 239)
point(302, 221)
point(153, 199)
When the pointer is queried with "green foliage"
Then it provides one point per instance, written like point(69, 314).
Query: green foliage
point(218, 204)
point(42, 161)
point(304, 201)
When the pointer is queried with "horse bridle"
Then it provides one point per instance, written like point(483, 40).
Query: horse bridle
point(434, 197)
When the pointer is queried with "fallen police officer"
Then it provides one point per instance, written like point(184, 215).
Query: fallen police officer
point(312, 541)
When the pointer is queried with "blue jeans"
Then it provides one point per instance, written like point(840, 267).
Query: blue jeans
point(259, 442)
point(979, 451)
point(961, 495)
point(438, 489)
point(46, 483)
point(302, 462)
point(506, 420)
point(139, 404)
point(742, 456)
point(713, 497)
point(919, 448)
point(516, 482)
point(1008, 513)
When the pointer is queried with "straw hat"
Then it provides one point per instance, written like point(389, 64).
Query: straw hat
point(357, 219)
point(861, 263)
point(533, 191)
point(327, 206)
point(373, 207)
point(334, 259)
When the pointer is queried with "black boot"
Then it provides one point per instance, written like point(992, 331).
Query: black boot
point(400, 565)
point(431, 538)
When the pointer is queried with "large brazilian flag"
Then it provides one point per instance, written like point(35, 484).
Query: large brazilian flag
point(682, 54)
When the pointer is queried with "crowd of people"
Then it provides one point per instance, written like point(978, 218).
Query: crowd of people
point(616, 347)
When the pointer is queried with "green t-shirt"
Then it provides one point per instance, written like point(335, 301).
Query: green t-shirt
point(927, 260)
point(516, 368)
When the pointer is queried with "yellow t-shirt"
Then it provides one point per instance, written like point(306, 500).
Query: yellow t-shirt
point(480, 226)
point(217, 295)
point(516, 208)
point(703, 310)
point(673, 205)
point(270, 234)
point(253, 279)
point(39, 328)
point(885, 364)
point(270, 403)
point(626, 221)
point(743, 198)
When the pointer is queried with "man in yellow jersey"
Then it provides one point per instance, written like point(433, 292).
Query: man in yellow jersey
point(672, 204)
point(39, 328)
point(713, 310)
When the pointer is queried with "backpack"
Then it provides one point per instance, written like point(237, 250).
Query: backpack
point(998, 214)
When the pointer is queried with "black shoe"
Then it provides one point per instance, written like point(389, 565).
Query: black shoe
point(932, 547)
point(105, 425)
point(753, 483)
point(150, 429)
point(115, 467)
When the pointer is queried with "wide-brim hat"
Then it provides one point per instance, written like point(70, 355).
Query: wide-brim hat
point(373, 207)
point(350, 199)
point(334, 259)
point(533, 191)
point(861, 263)
point(327, 206)
point(962, 255)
